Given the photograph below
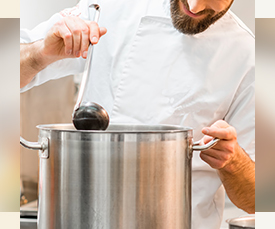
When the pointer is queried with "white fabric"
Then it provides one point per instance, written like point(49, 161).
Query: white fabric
point(145, 71)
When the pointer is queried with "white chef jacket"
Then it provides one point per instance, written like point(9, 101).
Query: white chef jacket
point(145, 71)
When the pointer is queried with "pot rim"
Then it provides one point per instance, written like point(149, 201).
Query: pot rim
point(119, 128)
point(238, 221)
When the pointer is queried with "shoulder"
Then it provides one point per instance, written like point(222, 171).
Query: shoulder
point(240, 36)
point(231, 36)
point(237, 24)
point(229, 26)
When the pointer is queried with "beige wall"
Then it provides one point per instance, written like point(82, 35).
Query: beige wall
point(245, 10)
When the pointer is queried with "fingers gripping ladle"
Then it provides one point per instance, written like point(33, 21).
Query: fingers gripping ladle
point(89, 116)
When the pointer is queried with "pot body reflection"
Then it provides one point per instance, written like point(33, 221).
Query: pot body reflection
point(128, 177)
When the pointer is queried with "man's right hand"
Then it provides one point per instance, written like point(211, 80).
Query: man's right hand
point(70, 38)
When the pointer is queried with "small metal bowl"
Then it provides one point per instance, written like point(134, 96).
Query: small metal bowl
point(244, 222)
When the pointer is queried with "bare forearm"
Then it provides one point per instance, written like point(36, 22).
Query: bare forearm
point(32, 61)
point(239, 181)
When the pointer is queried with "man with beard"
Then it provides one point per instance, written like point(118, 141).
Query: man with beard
point(197, 17)
point(194, 70)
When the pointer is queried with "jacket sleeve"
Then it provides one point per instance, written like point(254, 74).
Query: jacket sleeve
point(241, 113)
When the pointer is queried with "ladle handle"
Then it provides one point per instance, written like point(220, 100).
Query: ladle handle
point(86, 72)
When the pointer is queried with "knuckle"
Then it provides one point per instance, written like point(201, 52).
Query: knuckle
point(68, 35)
point(217, 123)
point(230, 148)
point(85, 30)
point(226, 157)
point(76, 31)
point(227, 134)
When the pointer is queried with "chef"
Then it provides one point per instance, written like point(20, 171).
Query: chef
point(181, 62)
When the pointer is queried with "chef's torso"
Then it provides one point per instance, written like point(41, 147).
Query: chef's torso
point(145, 71)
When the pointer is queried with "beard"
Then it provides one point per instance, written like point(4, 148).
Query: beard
point(188, 25)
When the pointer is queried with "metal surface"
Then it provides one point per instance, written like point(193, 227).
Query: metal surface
point(30, 145)
point(87, 68)
point(198, 147)
point(89, 115)
point(28, 223)
point(129, 176)
point(42, 146)
point(245, 222)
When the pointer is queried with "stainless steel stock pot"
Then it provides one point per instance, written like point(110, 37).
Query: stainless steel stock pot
point(127, 177)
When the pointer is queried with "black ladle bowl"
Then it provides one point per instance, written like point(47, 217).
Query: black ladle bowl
point(90, 116)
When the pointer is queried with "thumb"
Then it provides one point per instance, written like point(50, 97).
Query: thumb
point(206, 139)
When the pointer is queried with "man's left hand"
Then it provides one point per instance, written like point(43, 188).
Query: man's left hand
point(226, 150)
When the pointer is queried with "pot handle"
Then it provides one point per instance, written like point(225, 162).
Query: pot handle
point(198, 147)
point(42, 146)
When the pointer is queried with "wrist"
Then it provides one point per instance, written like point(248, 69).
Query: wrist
point(41, 58)
point(237, 163)
point(33, 59)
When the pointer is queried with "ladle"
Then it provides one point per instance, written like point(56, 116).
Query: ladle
point(89, 115)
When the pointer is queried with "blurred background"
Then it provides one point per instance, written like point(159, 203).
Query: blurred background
point(264, 9)
point(9, 119)
point(9, 123)
point(265, 113)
